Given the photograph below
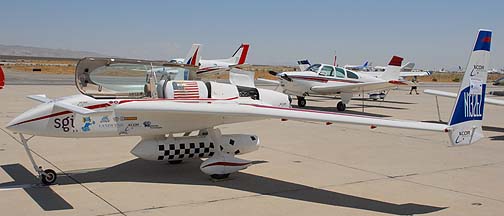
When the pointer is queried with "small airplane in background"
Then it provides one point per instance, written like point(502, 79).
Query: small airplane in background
point(357, 67)
point(194, 58)
point(324, 79)
point(499, 82)
point(405, 71)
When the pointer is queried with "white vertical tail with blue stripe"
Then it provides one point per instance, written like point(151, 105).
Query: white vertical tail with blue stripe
point(467, 116)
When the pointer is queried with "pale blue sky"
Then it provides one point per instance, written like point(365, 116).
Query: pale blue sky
point(432, 33)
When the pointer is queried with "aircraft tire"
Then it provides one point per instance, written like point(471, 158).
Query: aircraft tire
point(301, 101)
point(49, 177)
point(220, 176)
point(341, 106)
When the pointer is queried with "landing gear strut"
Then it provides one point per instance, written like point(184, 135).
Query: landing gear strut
point(301, 101)
point(48, 176)
point(341, 106)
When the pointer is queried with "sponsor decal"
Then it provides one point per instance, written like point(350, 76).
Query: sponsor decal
point(105, 119)
point(66, 124)
point(476, 69)
point(82, 103)
point(126, 118)
point(148, 124)
point(462, 135)
point(87, 123)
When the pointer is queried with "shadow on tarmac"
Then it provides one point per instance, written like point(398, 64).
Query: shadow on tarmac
point(44, 196)
point(188, 173)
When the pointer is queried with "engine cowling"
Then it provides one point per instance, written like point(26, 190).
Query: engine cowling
point(179, 148)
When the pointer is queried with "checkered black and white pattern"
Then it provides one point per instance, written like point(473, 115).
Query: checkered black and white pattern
point(181, 151)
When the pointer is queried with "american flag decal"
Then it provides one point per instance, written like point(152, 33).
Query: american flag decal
point(185, 90)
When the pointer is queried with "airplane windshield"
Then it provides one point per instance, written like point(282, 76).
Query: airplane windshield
point(314, 68)
point(104, 77)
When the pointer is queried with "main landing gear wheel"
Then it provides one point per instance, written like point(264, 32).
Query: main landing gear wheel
point(220, 176)
point(48, 177)
point(341, 106)
point(175, 162)
point(301, 101)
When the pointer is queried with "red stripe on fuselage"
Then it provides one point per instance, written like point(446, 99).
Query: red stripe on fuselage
point(121, 102)
point(321, 79)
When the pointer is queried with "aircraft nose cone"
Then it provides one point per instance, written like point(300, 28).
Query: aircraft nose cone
point(13, 125)
point(31, 121)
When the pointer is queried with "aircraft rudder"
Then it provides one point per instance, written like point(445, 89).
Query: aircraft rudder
point(467, 115)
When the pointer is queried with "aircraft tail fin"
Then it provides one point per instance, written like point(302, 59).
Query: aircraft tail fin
point(242, 52)
point(365, 64)
point(393, 70)
point(408, 67)
point(467, 117)
point(193, 56)
point(303, 64)
point(239, 56)
point(2, 78)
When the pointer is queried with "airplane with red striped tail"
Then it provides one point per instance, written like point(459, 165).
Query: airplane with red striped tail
point(325, 79)
point(194, 58)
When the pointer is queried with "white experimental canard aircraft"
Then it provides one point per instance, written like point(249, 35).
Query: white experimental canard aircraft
point(325, 79)
point(194, 58)
point(168, 107)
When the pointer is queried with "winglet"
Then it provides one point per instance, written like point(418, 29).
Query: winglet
point(467, 116)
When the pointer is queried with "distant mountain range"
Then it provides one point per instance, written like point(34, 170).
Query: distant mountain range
point(15, 50)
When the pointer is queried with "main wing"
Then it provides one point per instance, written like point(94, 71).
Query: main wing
point(410, 74)
point(454, 95)
point(356, 87)
point(249, 112)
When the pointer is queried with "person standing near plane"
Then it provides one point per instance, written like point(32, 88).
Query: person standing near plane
point(414, 86)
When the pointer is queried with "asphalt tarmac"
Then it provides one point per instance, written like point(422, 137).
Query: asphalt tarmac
point(311, 169)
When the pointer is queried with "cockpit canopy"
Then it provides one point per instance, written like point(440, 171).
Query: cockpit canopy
point(332, 71)
point(126, 78)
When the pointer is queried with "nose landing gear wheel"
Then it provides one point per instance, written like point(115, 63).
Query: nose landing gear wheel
point(341, 106)
point(301, 101)
point(220, 176)
point(48, 177)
